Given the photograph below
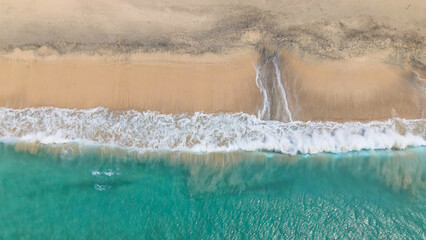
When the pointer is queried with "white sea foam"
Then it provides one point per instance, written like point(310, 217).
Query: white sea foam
point(107, 173)
point(275, 104)
point(201, 132)
point(281, 87)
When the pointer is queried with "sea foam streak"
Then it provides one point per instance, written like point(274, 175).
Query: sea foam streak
point(201, 132)
point(271, 88)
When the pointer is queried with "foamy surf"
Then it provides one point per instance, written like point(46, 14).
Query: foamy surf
point(202, 132)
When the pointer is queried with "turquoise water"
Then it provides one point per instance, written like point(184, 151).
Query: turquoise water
point(367, 194)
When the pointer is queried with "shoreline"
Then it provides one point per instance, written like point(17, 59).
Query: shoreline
point(202, 132)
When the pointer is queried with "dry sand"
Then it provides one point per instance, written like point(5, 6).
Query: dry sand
point(351, 60)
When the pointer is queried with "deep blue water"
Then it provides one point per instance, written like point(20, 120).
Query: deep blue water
point(368, 194)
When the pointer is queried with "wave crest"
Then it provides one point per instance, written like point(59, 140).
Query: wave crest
point(202, 132)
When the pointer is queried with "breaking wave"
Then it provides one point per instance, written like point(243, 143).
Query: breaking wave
point(202, 132)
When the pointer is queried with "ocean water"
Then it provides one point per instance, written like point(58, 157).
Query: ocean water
point(101, 174)
point(366, 194)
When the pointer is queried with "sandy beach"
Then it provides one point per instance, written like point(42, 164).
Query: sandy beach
point(337, 61)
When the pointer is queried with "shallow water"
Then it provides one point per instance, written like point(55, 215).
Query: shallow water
point(367, 194)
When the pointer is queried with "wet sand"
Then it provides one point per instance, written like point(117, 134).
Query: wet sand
point(317, 90)
point(357, 89)
point(156, 82)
